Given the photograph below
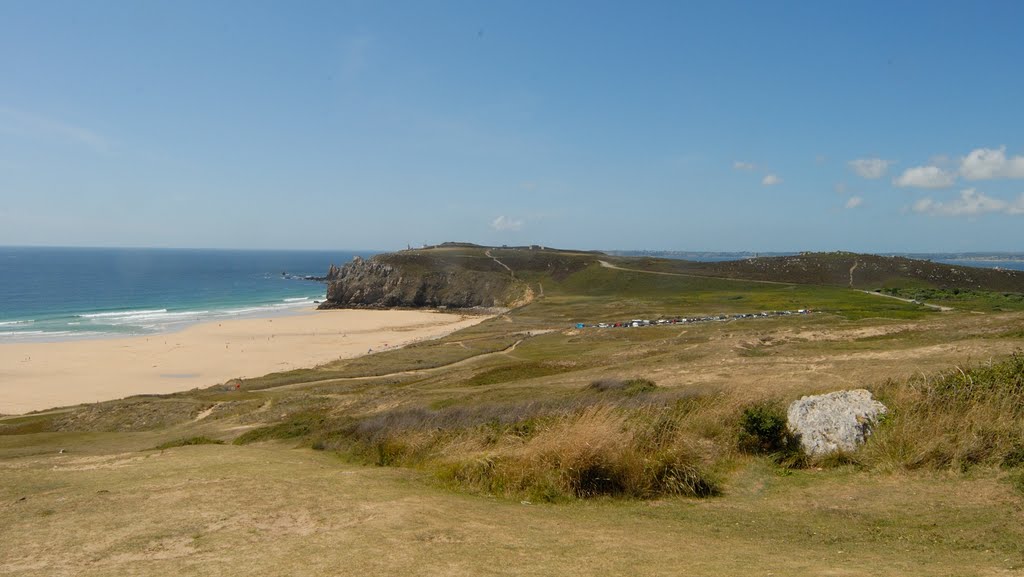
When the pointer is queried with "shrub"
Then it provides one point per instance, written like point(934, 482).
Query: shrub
point(763, 429)
point(186, 442)
point(628, 387)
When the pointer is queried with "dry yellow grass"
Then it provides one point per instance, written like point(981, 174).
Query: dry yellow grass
point(266, 510)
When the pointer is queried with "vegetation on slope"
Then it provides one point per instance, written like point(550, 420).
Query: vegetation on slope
point(862, 271)
point(628, 438)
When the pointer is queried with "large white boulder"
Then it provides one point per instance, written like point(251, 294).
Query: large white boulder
point(838, 421)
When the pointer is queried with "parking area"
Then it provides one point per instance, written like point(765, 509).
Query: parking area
point(638, 323)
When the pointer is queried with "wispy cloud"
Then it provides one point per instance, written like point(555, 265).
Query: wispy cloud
point(504, 223)
point(741, 165)
point(771, 180)
point(854, 202)
point(969, 203)
point(870, 168)
point(24, 123)
point(925, 177)
point(990, 163)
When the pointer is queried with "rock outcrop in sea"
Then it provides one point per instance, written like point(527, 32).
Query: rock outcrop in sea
point(839, 421)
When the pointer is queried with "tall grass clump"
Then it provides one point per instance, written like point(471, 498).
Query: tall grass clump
point(600, 450)
point(955, 420)
point(585, 446)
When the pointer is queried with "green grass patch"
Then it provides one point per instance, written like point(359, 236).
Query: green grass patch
point(973, 299)
point(27, 425)
point(516, 372)
point(297, 426)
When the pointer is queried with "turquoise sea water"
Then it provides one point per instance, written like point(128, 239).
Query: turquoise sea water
point(62, 293)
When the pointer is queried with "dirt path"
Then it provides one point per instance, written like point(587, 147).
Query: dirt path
point(202, 415)
point(426, 371)
point(853, 268)
point(912, 301)
point(607, 264)
point(495, 259)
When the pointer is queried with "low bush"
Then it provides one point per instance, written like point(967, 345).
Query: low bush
point(187, 442)
point(628, 387)
point(763, 430)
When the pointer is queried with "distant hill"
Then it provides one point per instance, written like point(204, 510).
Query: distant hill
point(466, 275)
point(863, 271)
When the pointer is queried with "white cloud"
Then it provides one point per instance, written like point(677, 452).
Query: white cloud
point(989, 163)
point(854, 202)
point(504, 223)
point(970, 203)
point(871, 168)
point(925, 177)
point(740, 165)
point(771, 180)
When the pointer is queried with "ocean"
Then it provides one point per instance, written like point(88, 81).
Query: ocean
point(69, 293)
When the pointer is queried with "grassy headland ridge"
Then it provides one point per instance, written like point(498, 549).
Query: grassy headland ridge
point(656, 436)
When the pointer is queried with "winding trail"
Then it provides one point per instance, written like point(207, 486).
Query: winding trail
point(853, 268)
point(427, 371)
point(495, 259)
point(912, 301)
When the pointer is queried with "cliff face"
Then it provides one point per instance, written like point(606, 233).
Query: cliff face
point(384, 281)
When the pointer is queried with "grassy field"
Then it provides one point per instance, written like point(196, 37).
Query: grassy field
point(270, 509)
point(523, 445)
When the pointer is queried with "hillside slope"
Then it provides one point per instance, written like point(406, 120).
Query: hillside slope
point(862, 271)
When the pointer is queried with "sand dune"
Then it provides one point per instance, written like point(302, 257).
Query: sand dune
point(35, 376)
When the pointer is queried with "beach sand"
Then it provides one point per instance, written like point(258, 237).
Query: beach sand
point(36, 376)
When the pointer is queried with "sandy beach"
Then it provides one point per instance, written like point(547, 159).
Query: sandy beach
point(36, 376)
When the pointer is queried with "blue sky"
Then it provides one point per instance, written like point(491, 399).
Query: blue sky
point(888, 126)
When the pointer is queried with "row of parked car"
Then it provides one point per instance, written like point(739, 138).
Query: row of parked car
point(688, 320)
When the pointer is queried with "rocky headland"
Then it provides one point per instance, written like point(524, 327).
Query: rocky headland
point(411, 280)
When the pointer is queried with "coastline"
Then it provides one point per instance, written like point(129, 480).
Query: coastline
point(42, 375)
